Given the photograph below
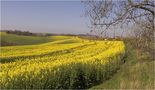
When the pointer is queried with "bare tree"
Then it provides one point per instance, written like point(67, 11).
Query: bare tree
point(104, 14)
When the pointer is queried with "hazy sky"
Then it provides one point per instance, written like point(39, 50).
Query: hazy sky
point(44, 16)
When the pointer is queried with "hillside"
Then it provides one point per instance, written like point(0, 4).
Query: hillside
point(13, 39)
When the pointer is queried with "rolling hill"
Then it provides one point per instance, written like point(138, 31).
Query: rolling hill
point(12, 39)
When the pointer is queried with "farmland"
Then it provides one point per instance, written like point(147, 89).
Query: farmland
point(88, 44)
point(13, 39)
point(60, 62)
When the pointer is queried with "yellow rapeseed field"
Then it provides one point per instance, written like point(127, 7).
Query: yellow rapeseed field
point(69, 63)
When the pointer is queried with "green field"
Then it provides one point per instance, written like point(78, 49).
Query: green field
point(12, 39)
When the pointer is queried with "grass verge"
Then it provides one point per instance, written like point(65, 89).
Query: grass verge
point(135, 73)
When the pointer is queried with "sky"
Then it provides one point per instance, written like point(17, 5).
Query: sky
point(44, 16)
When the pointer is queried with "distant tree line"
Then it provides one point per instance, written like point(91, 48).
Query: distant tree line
point(85, 36)
point(26, 33)
point(18, 32)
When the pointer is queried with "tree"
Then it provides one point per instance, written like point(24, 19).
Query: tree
point(109, 13)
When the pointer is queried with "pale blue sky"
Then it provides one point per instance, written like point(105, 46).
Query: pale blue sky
point(44, 16)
